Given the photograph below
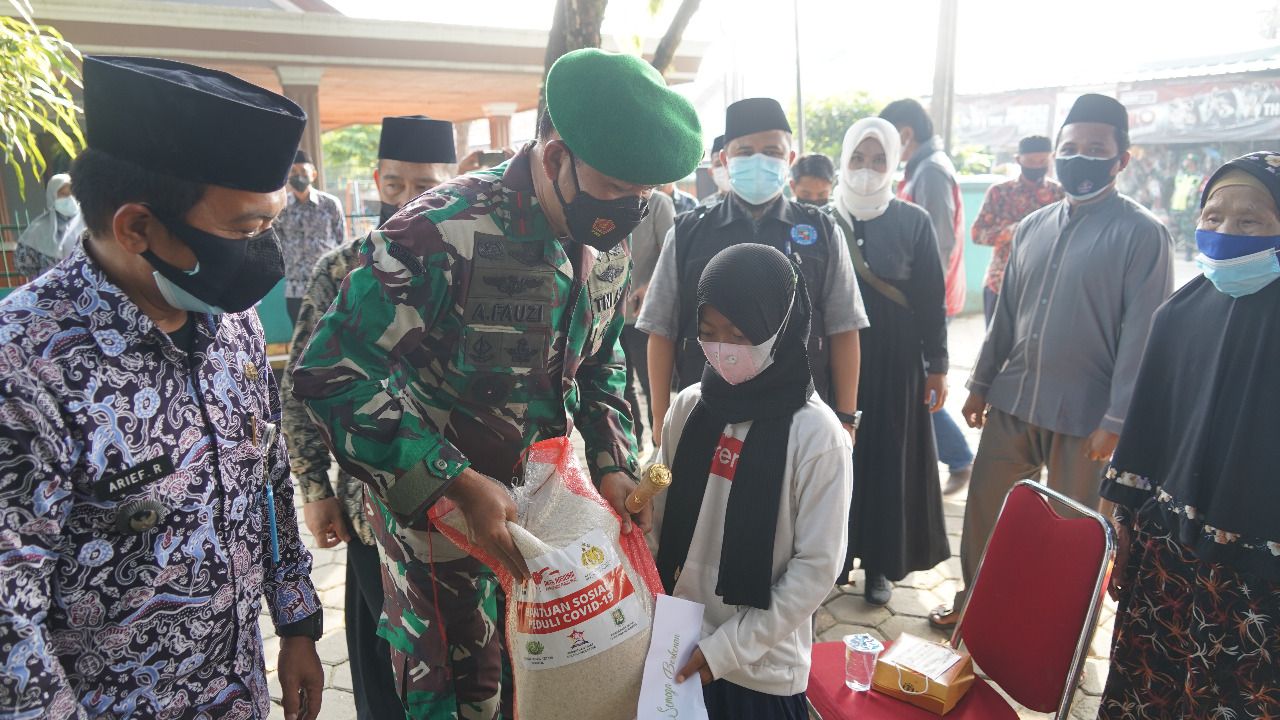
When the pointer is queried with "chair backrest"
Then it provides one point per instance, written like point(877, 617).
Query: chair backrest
point(1033, 608)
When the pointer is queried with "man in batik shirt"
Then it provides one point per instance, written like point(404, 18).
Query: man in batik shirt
point(1006, 204)
point(311, 224)
point(145, 502)
point(415, 154)
point(486, 318)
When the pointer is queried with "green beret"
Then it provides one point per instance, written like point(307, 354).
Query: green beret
point(617, 114)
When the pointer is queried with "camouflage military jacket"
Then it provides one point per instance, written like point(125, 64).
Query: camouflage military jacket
point(468, 334)
point(308, 455)
point(134, 521)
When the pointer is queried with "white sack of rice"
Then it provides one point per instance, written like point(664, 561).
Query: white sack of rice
point(579, 629)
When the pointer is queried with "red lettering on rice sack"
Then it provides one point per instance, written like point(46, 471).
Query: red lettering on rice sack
point(556, 615)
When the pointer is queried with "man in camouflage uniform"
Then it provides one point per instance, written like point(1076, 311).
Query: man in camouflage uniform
point(415, 154)
point(484, 318)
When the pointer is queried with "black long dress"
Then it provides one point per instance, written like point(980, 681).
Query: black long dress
point(896, 523)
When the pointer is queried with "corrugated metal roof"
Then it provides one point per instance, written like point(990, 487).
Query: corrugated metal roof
point(1258, 59)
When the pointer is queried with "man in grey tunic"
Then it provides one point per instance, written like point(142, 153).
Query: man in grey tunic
point(1051, 386)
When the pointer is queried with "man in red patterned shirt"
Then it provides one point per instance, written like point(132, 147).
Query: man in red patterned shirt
point(1006, 204)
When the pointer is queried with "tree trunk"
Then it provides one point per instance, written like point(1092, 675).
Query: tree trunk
point(576, 25)
point(582, 20)
point(555, 40)
point(666, 52)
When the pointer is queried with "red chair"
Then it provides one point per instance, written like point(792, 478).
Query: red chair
point(1028, 623)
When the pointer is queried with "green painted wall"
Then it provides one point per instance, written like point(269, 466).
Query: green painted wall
point(275, 319)
point(973, 188)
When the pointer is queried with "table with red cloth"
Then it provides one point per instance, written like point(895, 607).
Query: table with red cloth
point(835, 701)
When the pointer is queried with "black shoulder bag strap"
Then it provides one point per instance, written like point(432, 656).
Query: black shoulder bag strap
point(857, 233)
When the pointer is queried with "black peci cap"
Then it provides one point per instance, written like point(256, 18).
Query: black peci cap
point(196, 124)
point(1092, 107)
point(417, 139)
point(1034, 144)
point(753, 115)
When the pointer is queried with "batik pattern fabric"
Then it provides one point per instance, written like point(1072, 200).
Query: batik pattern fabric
point(467, 335)
point(1248, 553)
point(441, 616)
point(309, 457)
point(1193, 639)
point(31, 263)
point(100, 411)
point(308, 230)
point(1004, 206)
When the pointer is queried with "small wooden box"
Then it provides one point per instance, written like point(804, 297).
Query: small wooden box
point(938, 695)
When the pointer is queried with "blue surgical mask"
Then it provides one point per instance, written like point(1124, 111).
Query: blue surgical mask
point(67, 206)
point(758, 178)
point(1238, 265)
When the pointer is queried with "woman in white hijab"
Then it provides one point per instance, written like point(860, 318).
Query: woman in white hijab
point(52, 235)
point(896, 522)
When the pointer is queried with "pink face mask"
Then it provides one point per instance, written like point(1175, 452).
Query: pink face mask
point(739, 363)
point(735, 363)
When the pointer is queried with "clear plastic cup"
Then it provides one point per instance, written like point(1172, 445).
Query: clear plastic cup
point(860, 653)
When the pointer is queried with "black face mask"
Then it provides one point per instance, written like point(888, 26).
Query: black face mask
point(299, 182)
point(230, 275)
point(387, 211)
point(1084, 177)
point(814, 203)
point(601, 224)
point(1034, 174)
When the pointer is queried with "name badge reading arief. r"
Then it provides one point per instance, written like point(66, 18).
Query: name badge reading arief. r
point(120, 484)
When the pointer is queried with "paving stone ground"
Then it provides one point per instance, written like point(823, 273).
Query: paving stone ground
point(844, 611)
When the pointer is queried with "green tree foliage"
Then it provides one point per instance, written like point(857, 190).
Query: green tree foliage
point(351, 152)
point(972, 160)
point(826, 119)
point(36, 76)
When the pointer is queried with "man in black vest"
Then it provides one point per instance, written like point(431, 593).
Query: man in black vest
point(758, 152)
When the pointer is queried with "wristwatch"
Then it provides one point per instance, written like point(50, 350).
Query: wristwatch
point(851, 420)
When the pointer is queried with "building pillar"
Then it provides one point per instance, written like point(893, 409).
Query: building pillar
point(302, 85)
point(499, 115)
point(462, 138)
point(942, 103)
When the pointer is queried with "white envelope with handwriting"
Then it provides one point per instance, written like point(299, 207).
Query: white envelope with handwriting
point(677, 628)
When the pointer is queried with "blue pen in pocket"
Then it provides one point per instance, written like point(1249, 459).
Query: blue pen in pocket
point(270, 437)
